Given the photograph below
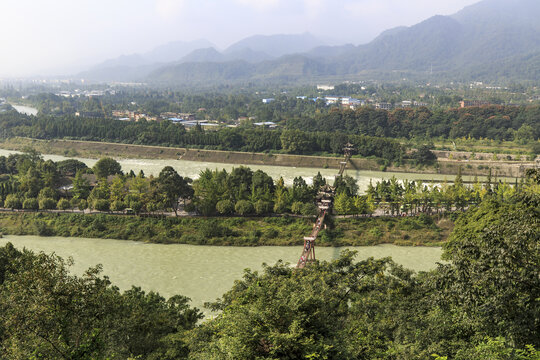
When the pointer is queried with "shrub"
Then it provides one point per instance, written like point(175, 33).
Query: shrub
point(215, 229)
point(47, 204)
point(424, 156)
point(280, 207)
point(376, 232)
point(42, 229)
point(425, 219)
point(82, 204)
point(535, 148)
point(296, 207)
point(30, 204)
point(47, 193)
point(118, 205)
point(190, 207)
point(309, 209)
point(225, 207)
point(244, 207)
point(63, 204)
point(136, 206)
point(409, 224)
point(13, 202)
point(271, 233)
point(102, 205)
point(263, 207)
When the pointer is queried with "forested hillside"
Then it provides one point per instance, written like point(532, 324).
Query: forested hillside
point(485, 41)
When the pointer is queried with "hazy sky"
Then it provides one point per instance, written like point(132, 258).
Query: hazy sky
point(40, 35)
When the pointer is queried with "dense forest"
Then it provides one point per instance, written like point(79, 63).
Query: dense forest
point(488, 122)
point(482, 304)
point(372, 131)
point(168, 134)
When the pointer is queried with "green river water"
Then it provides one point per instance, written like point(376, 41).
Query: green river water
point(202, 273)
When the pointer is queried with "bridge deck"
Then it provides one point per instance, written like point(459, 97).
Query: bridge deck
point(308, 252)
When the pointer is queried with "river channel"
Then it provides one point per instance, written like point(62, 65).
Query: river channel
point(202, 273)
point(25, 109)
point(192, 169)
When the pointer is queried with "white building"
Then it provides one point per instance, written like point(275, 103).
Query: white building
point(332, 99)
point(325, 87)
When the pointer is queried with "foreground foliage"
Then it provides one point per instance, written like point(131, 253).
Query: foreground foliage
point(482, 304)
point(46, 313)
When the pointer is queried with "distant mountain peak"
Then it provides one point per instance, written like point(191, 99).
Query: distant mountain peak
point(176, 50)
point(204, 55)
point(277, 45)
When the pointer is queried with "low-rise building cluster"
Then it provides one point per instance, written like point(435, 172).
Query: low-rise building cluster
point(186, 119)
point(353, 103)
point(85, 93)
point(128, 115)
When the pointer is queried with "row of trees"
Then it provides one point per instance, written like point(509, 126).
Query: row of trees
point(30, 183)
point(168, 134)
point(246, 192)
point(410, 197)
point(489, 122)
point(482, 303)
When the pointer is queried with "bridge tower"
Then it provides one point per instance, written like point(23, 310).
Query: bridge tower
point(348, 151)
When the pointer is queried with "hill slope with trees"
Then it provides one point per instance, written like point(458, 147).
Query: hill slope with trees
point(494, 34)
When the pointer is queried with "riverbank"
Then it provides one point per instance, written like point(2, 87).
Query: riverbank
point(223, 231)
point(94, 149)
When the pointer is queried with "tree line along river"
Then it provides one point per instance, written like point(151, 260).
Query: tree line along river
point(192, 170)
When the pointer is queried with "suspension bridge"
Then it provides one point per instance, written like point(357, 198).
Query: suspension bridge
point(325, 199)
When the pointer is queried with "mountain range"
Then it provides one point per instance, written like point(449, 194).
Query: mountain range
point(253, 49)
point(492, 39)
